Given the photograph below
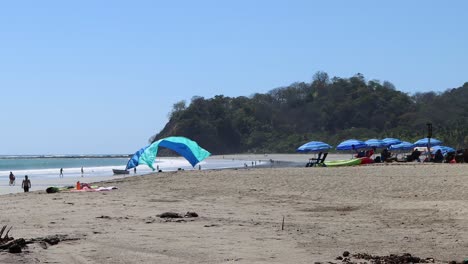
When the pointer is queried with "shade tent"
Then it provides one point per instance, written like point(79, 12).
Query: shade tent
point(134, 160)
point(351, 144)
point(404, 145)
point(314, 146)
point(423, 142)
point(377, 143)
point(391, 141)
point(187, 148)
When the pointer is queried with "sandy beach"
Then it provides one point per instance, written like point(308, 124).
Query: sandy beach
point(379, 209)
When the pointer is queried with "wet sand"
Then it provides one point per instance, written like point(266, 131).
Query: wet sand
point(378, 209)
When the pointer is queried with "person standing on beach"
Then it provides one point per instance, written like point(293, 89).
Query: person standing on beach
point(82, 171)
point(61, 173)
point(26, 184)
point(12, 179)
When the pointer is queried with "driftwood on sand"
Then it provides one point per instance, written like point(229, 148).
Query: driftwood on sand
point(16, 245)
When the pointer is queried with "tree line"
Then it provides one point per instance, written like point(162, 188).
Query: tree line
point(326, 109)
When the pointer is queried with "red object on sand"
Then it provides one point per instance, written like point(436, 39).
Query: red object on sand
point(366, 160)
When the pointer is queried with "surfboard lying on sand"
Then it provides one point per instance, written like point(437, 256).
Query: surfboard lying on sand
point(336, 163)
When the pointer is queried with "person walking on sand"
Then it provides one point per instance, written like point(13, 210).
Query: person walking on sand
point(26, 184)
point(82, 171)
point(12, 179)
point(61, 173)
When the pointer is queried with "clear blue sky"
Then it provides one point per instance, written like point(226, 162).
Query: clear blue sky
point(80, 77)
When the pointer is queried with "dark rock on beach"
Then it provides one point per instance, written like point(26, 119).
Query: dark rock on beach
point(169, 215)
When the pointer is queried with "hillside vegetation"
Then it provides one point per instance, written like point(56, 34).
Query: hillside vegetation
point(329, 110)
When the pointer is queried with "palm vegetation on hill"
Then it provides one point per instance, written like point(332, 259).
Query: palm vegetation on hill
point(326, 109)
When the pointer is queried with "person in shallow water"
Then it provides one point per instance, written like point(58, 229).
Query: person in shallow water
point(12, 179)
point(61, 173)
point(26, 184)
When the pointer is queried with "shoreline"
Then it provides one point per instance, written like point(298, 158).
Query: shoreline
point(47, 177)
point(264, 161)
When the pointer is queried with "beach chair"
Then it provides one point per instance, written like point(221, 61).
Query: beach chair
point(313, 161)
point(321, 162)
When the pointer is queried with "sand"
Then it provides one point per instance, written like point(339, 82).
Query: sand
point(379, 209)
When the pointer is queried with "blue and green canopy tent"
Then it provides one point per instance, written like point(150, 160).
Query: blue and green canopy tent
point(187, 148)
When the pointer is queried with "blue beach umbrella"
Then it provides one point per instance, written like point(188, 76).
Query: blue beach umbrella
point(314, 146)
point(404, 145)
point(376, 143)
point(423, 142)
point(444, 149)
point(391, 141)
point(351, 144)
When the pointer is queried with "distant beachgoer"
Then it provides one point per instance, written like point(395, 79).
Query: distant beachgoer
point(82, 171)
point(370, 152)
point(134, 170)
point(438, 157)
point(360, 154)
point(384, 155)
point(26, 184)
point(61, 173)
point(414, 156)
point(199, 167)
point(12, 179)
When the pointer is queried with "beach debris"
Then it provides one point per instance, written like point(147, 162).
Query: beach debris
point(5, 238)
point(232, 259)
point(211, 225)
point(191, 214)
point(43, 245)
point(169, 215)
point(50, 240)
point(173, 217)
point(389, 259)
point(104, 217)
point(150, 220)
point(16, 245)
point(9, 243)
point(15, 249)
point(177, 215)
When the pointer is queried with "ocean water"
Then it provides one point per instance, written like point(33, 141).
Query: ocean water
point(48, 167)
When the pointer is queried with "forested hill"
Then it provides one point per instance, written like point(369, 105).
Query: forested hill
point(329, 110)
